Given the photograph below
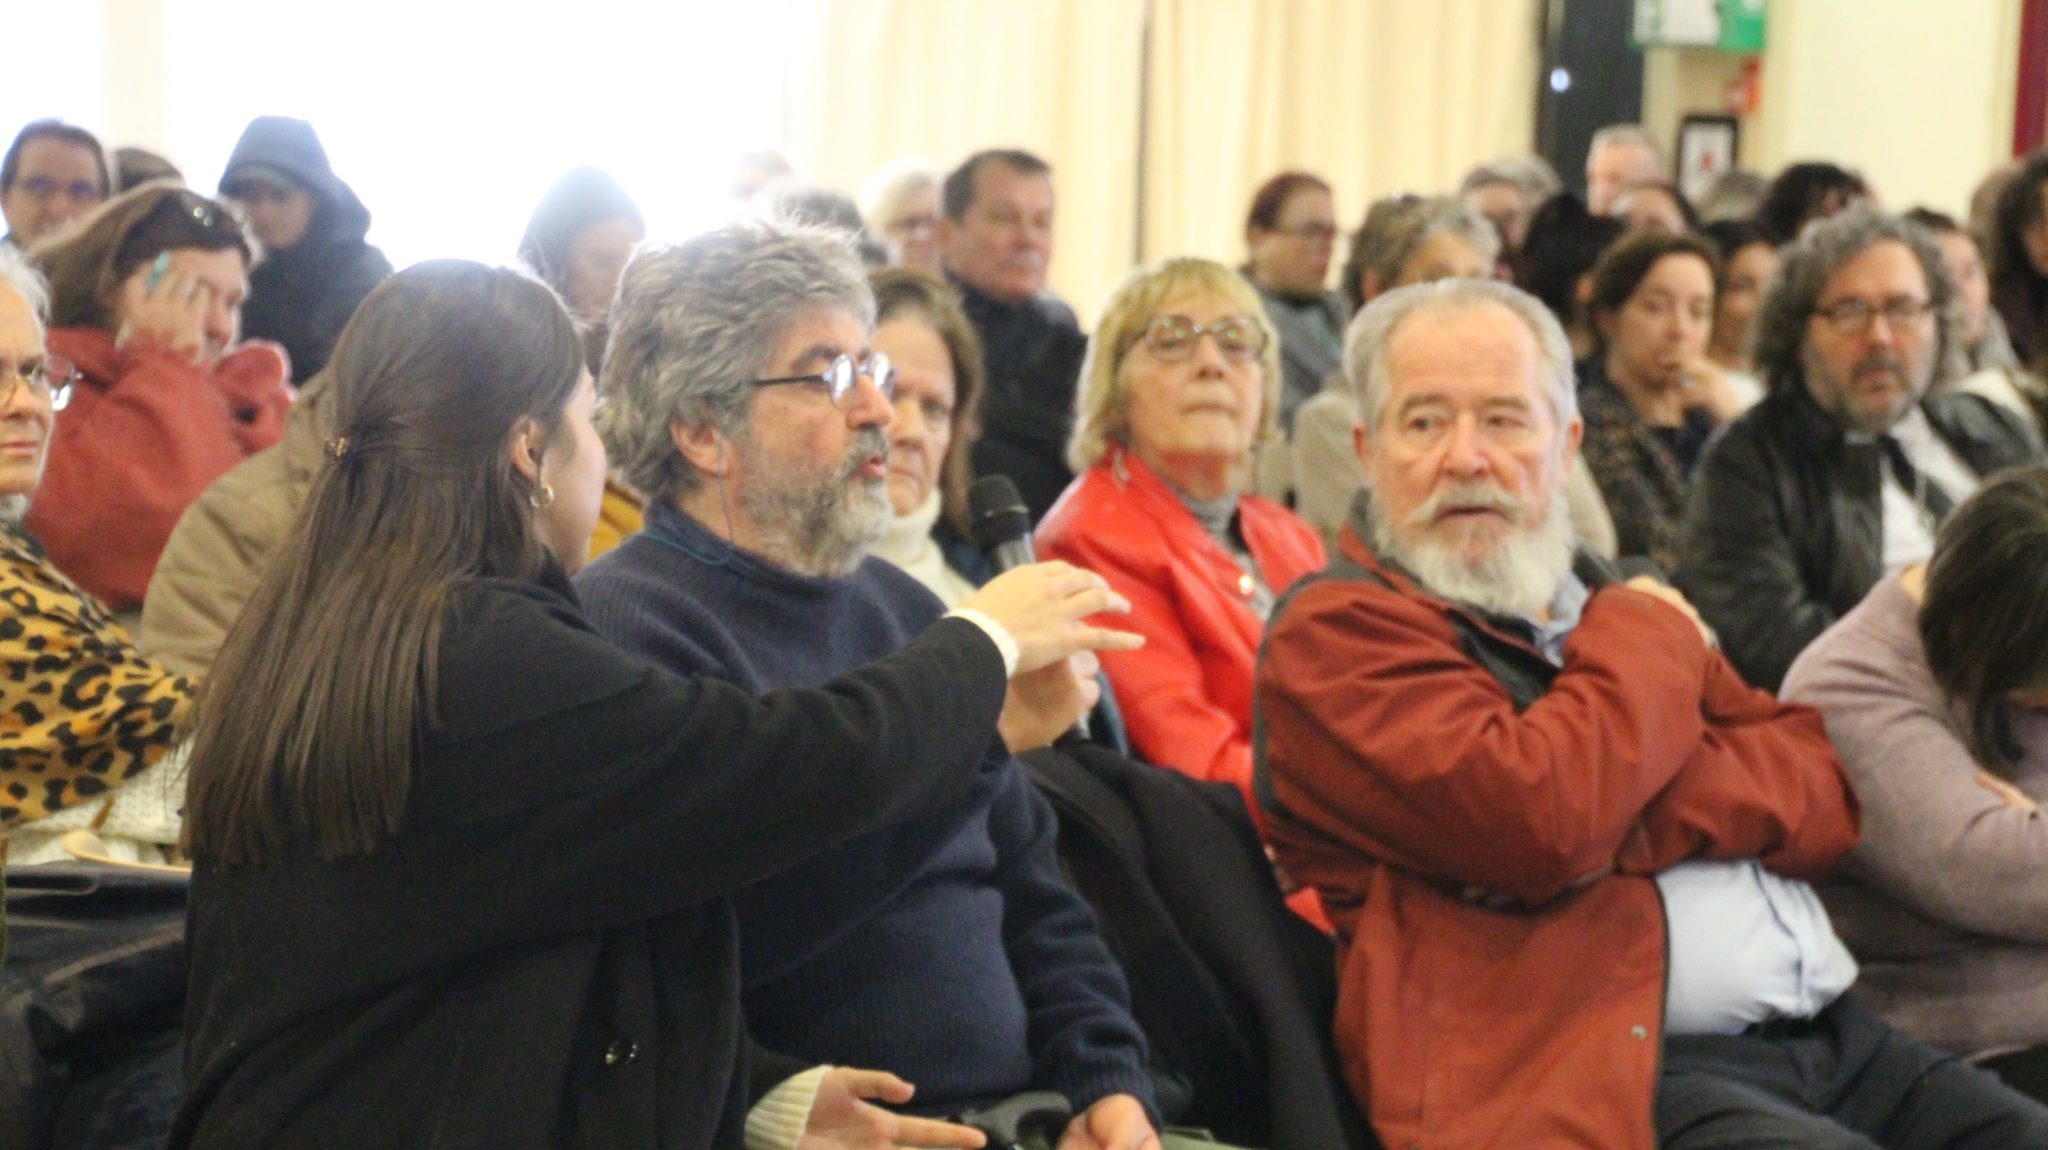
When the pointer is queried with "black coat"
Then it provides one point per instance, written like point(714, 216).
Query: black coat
point(1784, 531)
point(1034, 352)
point(544, 954)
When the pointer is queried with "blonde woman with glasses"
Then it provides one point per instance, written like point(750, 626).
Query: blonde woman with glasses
point(1181, 383)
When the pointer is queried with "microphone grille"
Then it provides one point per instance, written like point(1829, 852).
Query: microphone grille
point(996, 512)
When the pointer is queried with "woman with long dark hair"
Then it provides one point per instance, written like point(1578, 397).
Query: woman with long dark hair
point(1935, 692)
point(462, 866)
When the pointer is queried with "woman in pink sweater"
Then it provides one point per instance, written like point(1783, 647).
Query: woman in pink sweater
point(1935, 692)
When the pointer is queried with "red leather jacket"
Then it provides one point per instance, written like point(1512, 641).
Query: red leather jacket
point(143, 436)
point(1186, 695)
point(1501, 939)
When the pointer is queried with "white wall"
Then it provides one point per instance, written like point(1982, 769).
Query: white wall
point(1915, 94)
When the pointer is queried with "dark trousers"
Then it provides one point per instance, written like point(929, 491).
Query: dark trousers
point(1843, 1080)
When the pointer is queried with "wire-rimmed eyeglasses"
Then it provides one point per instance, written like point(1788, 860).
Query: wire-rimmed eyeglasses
point(51, 379)
point(842, 376)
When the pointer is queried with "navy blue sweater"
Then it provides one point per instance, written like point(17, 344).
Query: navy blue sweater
point(947, 948)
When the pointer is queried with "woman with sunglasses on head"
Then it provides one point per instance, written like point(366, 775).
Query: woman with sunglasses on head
point(1181, 384)
point(145, 297)
point(84, 713)
point(463, 868)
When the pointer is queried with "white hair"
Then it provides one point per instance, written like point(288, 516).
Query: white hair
point(18, 274)
point(1365, 342)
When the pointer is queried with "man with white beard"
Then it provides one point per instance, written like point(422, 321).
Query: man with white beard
point(1562, 843)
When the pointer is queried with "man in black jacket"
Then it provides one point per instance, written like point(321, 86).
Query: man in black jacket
point(1845, 470)
point(995, 239)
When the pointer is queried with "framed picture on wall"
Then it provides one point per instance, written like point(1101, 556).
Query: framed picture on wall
point(1706, 148)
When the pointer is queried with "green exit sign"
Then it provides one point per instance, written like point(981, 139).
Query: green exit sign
point(1728, 25)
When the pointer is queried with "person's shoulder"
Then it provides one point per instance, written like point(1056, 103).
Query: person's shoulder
point(514, 648)
point(1098, 514)
point(1877, 640)
point(1987, 423)
point(897, 592)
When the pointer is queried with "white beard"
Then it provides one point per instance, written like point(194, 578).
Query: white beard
point(1516, 575)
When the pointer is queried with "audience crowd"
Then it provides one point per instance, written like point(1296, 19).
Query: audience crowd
point(603, 702)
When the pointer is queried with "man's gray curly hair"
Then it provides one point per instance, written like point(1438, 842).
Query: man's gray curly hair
point(1811, 260)
point(696, 321)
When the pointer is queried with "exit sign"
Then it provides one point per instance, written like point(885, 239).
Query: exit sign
point(1727, 25)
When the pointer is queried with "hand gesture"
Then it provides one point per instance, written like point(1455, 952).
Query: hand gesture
point(1044, 704)
point(1670, 595)
point(1043, 606)
point(169, 315)
point(1117, 1122)
point(1705, 385)
point(842, 1119)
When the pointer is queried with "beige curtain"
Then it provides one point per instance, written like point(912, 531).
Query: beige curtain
point(1376, 96)
point(874, 79)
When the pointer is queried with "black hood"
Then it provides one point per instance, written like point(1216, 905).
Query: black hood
point(290, 146)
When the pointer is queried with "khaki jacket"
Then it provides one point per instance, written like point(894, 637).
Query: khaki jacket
point(209, 567)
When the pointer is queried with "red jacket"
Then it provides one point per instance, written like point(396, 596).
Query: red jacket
point(144, 434)
point(1186, 695)
point(1501, 940)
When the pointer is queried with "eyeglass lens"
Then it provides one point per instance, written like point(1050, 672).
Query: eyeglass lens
point(1173, 337)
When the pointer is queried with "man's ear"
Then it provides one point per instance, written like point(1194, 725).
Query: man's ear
point(1573, 433)
point(1360, 445)
point(702, 446)
point(523, 445)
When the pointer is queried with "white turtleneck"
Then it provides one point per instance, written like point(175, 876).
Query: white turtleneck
point(908, 543)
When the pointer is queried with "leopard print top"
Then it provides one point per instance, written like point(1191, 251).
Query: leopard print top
point(80, 710)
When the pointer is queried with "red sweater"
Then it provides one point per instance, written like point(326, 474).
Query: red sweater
point(144, 434)
point(1501, 939)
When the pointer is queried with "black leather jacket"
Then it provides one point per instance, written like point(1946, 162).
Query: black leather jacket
point(1784, 533)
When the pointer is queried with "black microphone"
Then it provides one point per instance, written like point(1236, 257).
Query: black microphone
point(1001, 526)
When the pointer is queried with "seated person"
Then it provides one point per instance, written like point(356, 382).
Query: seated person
point(1650, 395)
point(316, 265)
point(1846, 468)
point(1290, 233)
point(1182, 382)
point(1404, 240)
point(937, 361)
point(53, 174)
point(89, 722)
point(1748, 264)
point(1935, 691)
point(744, 396)
point(1563, 844)
point(145, 298)
point(511, 926)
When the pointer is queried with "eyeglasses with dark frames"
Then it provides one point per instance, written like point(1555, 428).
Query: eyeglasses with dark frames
point(842, 376)
point(1854, 316)
point(49, 380)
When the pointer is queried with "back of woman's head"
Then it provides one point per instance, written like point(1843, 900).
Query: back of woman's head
point(308, 727)
point(1565, 241)
point(86, 265)
point(2016, 284)
point(1804, 192)
point(1984, 620)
